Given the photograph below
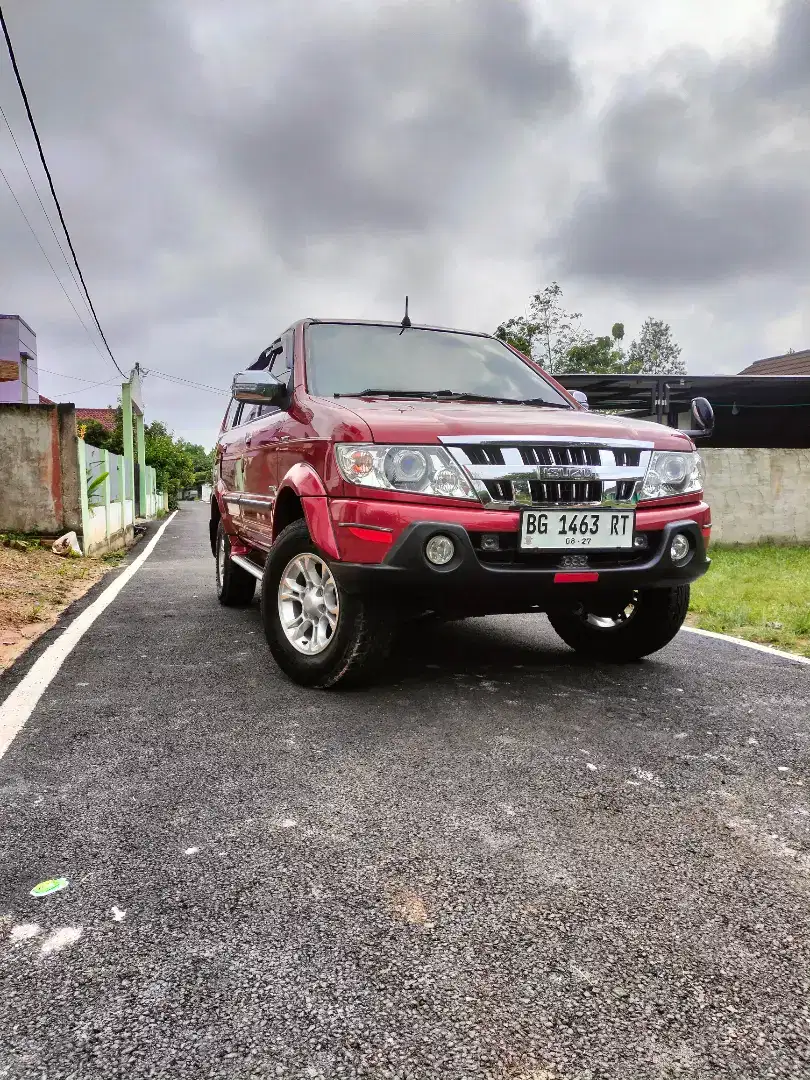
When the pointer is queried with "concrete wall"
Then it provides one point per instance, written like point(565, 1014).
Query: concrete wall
point(758, 495)
point(39, 470)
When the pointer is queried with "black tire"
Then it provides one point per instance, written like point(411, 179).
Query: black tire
point(361, 638)
point(657, 616)
point(235, 586)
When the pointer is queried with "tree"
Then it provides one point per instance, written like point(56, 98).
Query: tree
point(555, 339)
point(178, 464)
point(655, 352)
point(94, 433)
point(549, 332)
point(202, 461)
point(600, 356)
point(169, 458)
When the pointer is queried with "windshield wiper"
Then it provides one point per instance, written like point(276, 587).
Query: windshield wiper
point(454, 395)
point(543, 404)
point(431, 395)
point(374, 391)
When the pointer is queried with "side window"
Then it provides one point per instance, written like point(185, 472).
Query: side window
point(277, 365)
point(277, 359)
point(282, 365)
point(231, 415)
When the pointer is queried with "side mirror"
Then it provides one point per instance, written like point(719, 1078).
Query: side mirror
point(578, 395)
point(258, 388)
point(702, 418)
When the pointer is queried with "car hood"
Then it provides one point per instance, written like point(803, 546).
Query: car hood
point(425, 421)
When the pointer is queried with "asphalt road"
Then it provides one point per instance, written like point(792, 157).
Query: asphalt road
point(501, 863)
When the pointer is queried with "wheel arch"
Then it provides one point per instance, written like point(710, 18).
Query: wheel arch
point(301, 494)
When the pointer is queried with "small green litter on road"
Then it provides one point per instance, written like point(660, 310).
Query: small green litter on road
point(52, 885)
point(758, 593)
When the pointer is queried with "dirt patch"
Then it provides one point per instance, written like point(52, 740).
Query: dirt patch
point(410, 907)
point(35, 587)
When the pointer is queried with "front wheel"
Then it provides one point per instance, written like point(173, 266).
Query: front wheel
point(623, 628)
point(318, 635)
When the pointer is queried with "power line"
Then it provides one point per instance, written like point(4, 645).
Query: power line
point(188, 382)
point(60, 399)
point(62, 375)
point(41, 203)
point(47, 259)
point(31, 121)
point(81, 390)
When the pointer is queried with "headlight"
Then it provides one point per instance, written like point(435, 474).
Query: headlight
point(672, 473)
point(425, 470)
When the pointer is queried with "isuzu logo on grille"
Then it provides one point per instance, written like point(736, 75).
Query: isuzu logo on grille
point(565, 472)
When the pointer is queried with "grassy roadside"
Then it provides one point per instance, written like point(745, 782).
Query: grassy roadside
point(35, 587)
point(759, 593)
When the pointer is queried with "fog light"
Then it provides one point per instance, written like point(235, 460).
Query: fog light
point(641, 541)
point(439, 550)
point(489, 542)
point(680, 548)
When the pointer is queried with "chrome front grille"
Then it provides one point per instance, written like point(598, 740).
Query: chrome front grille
point(512, 471)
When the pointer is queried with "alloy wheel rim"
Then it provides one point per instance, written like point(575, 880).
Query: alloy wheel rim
point(308, 604)
point(621, 617)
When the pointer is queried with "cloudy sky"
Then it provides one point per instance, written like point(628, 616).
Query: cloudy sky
point(228, 168)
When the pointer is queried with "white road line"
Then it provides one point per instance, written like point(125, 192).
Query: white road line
point(748, 644)
point(21, 702)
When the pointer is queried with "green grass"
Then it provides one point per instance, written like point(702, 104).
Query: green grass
point(758, 593)
point(113, 558)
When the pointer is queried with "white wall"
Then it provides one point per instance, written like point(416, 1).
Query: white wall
point(758, 495)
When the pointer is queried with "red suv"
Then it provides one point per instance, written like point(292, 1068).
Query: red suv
point(367, 473)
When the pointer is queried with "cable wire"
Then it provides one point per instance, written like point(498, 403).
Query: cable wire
point(62, 375)
point(178, 379)
point(42, 204)
point(81, 390)
point(47, 259)
point(31, 121)
point(31, 390)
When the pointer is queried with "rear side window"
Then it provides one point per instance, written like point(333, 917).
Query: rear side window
point(278, 360)
point(282, 366)
point(230, 415)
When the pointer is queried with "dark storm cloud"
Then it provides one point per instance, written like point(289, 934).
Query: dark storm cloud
point(227, 168)
point(383, 120)
point(320, 120)
point(212, 161)
point(704, 170)
point(113, 90)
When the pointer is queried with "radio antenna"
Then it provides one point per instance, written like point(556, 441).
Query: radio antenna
point(406, 322)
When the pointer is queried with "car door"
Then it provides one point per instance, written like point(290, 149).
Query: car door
point(260, 453)
point(230, 454)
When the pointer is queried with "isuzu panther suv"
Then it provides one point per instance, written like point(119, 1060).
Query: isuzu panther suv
point(368, 473)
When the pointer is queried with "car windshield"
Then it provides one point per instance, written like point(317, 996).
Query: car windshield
point(346, 359)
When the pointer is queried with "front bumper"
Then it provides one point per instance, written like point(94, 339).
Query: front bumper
point(528, 581)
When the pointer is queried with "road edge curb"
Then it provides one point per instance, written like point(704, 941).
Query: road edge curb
point(768, 649)
point(17, 706)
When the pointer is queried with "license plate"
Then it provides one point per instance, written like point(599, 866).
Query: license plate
point(577, 529)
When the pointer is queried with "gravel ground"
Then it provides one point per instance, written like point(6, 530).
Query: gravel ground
point(500, 863)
